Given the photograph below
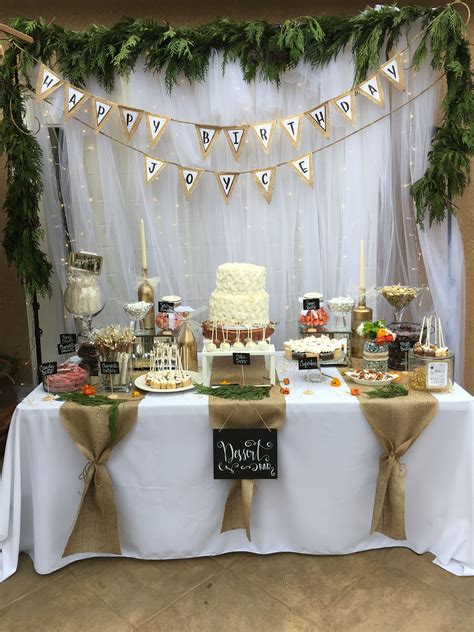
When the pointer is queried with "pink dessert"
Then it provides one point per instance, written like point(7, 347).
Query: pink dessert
point(70, 377)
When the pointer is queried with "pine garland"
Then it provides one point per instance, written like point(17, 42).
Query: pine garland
point(97, 400)
point(234, 391)
point(264, 51)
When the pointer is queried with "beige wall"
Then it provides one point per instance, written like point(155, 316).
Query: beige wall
point(77, 15)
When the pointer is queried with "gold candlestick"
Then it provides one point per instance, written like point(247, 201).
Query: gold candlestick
point(147, 293)
point(360, 314)
point(187, 345)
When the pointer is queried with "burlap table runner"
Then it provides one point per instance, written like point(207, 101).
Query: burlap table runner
point(397, 423)
point(269, 412)
point(95, 527)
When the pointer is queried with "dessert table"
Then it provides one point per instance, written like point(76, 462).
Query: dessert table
point(169, 506)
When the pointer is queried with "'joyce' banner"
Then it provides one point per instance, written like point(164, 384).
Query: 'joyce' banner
point(189, 179)
point(304, 168)
point(153, 168)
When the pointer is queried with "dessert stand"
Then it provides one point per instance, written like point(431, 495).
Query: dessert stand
point(208, 357)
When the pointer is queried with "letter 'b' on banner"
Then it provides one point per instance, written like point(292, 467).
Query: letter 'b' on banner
point(207, 137)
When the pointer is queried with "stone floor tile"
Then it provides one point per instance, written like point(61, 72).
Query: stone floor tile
point(25, 580)
point(389, 601)
point(421, 567)
point(228, 603)
point(147, 585)
point(65, 605)
point(306, 583)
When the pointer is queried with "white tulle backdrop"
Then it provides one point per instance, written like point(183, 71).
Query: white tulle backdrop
point(308, 239)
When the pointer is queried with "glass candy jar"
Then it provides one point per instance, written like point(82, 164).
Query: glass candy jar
point(82, 296)
point(375, 356)
point(431, 373)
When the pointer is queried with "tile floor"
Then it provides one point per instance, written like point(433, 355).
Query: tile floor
point(391, 590)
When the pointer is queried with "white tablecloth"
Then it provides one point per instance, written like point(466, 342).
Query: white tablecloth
point(169, 505)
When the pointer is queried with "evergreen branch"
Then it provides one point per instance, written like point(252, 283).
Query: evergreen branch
point(234, 391)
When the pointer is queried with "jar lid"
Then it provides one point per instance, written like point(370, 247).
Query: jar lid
point(172, 298)
point(313, 295)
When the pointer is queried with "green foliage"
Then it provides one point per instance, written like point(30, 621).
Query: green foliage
point(234, 391)
point(387, 392)
point(97, 400)
point(264, 51)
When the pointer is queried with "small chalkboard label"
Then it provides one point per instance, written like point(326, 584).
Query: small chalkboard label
point(241, 358)
point(66, 339)
point(109, 368)
point(70, 347)
point(48, 368)
point(307, 363)
point(165, 307)
point(245, 453)
point(311, 303)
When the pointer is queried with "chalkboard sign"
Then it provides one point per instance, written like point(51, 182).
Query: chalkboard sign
point(242, 453)
point(243, 359)
point(311, 303)
point(66, 339)
point(165, 307)
point(69, 347)
point(109, 368)
point(48, 368)
point(307, 363)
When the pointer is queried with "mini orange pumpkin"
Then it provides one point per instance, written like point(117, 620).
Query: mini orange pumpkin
point(88, 389)
point(355, 391)
point(286, 381)
point(284, 390)
point(335, 382)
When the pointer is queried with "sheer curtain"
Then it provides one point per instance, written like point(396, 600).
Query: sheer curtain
point(308, 238)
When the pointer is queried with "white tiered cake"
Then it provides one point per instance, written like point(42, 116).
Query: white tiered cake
point(239, 298)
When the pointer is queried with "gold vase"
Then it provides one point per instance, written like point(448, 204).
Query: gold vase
point(187, 345)
point(147, 293)
point(360, 314)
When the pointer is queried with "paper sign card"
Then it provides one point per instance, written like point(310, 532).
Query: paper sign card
point(304, 168)
point(74, 99)
point(189, 179)
point(69, 347)
point(48, 81)
point(110, 368)
point(153, 168)
point(345, 104)
point(372, 89)
point(227, 183)
point(264, 132)
point(101, 112)
point(265, 180)
point(245, 453)
point(306, 364)
point(130, 119)
point(235, 137)
point(48, 368)
point(292, 127)
point(165, 307)
point(393, 71)
point(156, 125)
point(241, 359)
point(319, 117)
point(207, 137)
point(66, 339)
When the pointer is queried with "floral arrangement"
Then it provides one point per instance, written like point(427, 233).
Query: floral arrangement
point(376, 331)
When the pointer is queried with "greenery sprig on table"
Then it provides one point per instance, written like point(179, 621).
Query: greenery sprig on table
point(97, 400)
point(234, 391)
point(387, 392)
point(264, 51)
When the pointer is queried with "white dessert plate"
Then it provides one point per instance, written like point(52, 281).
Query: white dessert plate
point(357, 380)
point(140, 383)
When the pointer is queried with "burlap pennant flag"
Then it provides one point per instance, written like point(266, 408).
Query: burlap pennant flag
point(345, 105)
point(130, 119)
point(227, 182)
point(74, 99)
point(236, 138)
point(319, 117)
point(372, 89)
point(304, 168)
point(189, 179)
point(156, 125)
point(265, 179)
point(95, 528)
point(393, 71)
point(292, 127)
point(101, 110)
point(207, 136)
point(153, 168)
point(264, 133)
point(47, 82)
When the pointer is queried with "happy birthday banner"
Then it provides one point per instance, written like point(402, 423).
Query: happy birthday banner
point(235, 135)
